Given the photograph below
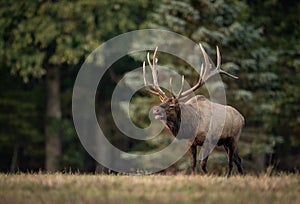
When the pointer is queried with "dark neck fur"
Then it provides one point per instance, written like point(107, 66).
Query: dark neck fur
point(174, 123)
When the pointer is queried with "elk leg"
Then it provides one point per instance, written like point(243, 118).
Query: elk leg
point(230, 159)
point(226, 149)
point(203, 164)
point(237, 160)
point(204, 158)
point(193, 155)
point(238, 163)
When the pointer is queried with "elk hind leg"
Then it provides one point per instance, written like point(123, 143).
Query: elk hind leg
point(238, 163)
point(203, 164)
point(230, 153)
point(237, 160)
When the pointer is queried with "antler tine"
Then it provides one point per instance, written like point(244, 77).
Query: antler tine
point(171, 88)
point(218, 68)
point(144, 74)
point(218, 58)
point(181, 88)
point(206, 60)
point(158, 91)
point(219, 65)
point(154, 70)
point(147, 83)
point(199, 84)
point(154, 59)
point(202, 75)
point(154, 74)
point(207, 71)
point(148, 58)
point(226, 73)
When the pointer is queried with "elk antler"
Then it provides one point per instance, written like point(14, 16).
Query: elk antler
point(206, 72)
point(156, 90)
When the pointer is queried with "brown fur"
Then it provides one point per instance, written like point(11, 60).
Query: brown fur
point(194, 117)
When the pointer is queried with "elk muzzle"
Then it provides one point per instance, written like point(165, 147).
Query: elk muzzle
point(159, 113)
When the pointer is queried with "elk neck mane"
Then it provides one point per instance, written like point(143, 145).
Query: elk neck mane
point(185, 124)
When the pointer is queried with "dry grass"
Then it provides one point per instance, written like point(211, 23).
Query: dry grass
point(67, 188)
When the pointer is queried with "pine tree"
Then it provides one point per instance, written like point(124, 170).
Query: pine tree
point(280, 21)
point(225, 23)
point(42, 40)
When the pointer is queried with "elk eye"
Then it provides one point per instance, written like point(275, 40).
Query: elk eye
point(163, 106)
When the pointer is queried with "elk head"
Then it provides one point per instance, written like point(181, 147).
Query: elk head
point(169, 110)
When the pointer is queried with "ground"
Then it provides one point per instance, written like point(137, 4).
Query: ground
point(70, 188)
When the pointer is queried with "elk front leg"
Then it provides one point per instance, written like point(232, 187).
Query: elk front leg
point(204, 157)
point(193, 157)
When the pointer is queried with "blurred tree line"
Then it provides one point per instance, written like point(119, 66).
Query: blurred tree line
point(44, 43)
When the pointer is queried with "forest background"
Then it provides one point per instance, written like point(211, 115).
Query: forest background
point(44, 43)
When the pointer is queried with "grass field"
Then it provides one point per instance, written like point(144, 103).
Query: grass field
point(68, 188)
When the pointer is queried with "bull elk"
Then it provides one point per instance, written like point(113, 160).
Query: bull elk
point(198, 112)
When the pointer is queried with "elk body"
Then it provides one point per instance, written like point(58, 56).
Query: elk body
point(195, 120)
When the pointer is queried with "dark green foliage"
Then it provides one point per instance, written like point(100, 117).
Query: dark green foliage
point(246, 52)
point(39, 35)
point(280, 20)
point(21, 124)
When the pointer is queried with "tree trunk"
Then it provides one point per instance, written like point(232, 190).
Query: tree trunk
point(53, 116)
point(14, 160)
